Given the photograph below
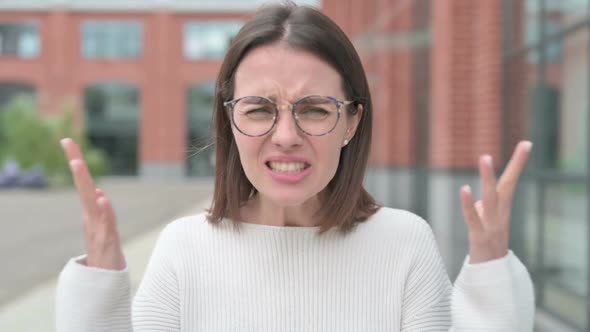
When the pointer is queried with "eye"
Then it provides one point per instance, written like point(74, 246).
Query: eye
point(258, 110)
point(259, 113)
point(311, 112)
point(316, 110)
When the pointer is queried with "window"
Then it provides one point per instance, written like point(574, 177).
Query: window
point(208, 40)
point(112, 101)
point(112, 117)
point(10, 91)
point(200, 155)
point(19, 39)
point(553, 50)
point(547, 94)
point(111, 39)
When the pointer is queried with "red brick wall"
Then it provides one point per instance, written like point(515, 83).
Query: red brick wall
point(161, 74)
point(516, 76)
point(389, 70)
point(465, 79)
point(487, 107)
point(466, 99)
point(452, 80)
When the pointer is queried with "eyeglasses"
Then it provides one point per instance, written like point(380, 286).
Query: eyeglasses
point(314, 115)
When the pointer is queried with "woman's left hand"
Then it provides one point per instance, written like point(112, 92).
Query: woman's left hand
point(488, 220)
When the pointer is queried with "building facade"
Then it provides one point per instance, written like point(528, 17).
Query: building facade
point(142, 72)
point(455, 79)
point(450, 80)
point(546, 69)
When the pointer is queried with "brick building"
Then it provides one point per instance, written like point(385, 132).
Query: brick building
point(141, 74)
point(429, 64)
point(455, 79)
point(450, 80)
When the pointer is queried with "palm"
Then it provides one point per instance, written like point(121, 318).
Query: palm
point(488, 220)
point(101, 238)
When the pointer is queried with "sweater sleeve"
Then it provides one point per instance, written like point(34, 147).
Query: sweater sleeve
point(98, 300)
point(491, 296)
point(91, 299)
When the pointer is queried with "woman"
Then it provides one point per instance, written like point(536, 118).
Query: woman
point(292, 241)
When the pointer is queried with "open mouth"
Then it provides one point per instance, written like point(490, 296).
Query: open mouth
point(287, 167)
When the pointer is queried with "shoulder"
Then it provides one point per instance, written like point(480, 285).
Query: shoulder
point(390, 219)
point(401, 229)
point(405, 237)
point(185, 228)
point(187, 223)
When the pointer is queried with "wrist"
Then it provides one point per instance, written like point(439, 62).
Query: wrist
point(479, 256)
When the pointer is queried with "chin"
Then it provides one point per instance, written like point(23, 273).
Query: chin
point(288, 198)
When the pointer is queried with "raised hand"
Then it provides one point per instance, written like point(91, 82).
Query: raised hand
point(101, 238)
point(488, 219)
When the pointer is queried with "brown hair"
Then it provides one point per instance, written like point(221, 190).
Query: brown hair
point(304, 28)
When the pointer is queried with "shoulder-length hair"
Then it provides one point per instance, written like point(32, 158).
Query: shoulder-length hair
point(305, 28)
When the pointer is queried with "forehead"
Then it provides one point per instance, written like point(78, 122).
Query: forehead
point(282, 72)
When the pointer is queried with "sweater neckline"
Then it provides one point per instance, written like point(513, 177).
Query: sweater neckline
point(272, 228)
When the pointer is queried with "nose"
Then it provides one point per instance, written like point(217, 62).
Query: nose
point(286, 134)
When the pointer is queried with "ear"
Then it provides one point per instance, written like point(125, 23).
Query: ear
point(353, 122)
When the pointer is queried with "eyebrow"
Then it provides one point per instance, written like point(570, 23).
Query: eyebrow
point(272, 97)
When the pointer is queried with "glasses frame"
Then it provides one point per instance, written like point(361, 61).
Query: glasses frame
point(229, 105)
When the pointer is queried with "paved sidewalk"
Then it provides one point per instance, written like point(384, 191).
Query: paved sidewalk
point(35, 310)
point(42, 229)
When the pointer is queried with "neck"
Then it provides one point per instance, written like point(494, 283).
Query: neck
point(262, 210)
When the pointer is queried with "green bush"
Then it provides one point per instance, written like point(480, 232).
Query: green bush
point(33, 141)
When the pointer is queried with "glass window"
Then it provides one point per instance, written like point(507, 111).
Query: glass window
point(559, 116)
point(112, 101)
point(565, 12)
point(573, 106)
point(200, 100)
point(112, 117)
point(552, 101)
point(561, 108)
point(19, 39)
point(565, 249)
point(9, 91)
point(552, 51)
point(200, 155)
point(208, 40)
point(532, 15)
point(556, 15)
point(111, 39)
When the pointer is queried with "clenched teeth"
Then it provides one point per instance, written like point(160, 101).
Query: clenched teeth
point(286, 167)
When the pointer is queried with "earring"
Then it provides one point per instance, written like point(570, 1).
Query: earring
point(345, 142)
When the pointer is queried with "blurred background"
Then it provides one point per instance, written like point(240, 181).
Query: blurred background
point(133, 81)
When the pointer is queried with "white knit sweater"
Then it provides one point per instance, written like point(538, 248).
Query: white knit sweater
point(387, 275)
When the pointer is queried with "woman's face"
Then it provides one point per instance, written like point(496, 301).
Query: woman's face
point(286, 165)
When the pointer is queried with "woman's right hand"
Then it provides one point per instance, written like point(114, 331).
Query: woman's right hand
point(101, 237)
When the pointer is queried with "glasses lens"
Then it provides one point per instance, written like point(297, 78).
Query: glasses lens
point(316, 115)
point(254, 116)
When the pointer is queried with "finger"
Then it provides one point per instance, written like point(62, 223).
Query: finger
point(85, 186)
point(107, 213)
point(488, 185)
point(469, 214)
point(71, 149)
point(509, 179)
point(82, 178)
point(479, 208)
point(99, 193)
